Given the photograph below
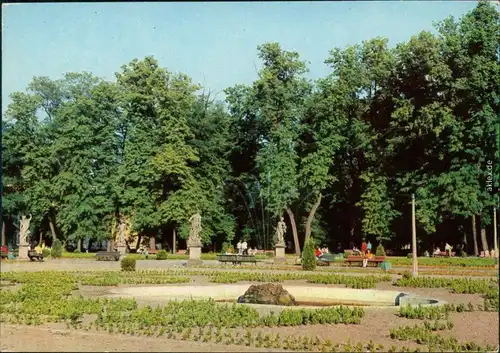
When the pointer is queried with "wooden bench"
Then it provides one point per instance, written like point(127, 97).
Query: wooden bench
point(443, 254)
point(108, 255)
point(374, 261)
point(236, 259)
point(33, 255)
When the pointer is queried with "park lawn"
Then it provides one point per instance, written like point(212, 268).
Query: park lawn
point(443, 262)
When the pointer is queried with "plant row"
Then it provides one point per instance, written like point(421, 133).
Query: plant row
point(424, 334)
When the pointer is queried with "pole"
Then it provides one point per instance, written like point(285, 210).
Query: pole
point(414, 237)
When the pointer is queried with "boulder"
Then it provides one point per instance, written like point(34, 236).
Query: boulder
point(268, 293)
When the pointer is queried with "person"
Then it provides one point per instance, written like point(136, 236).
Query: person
point(369, 246)
point(486, 253)
point(437, 251)
point(426, 253)
point(239, 247)
point(448, 248)
point(364, 246)
point(318, 253)
point(244, 248)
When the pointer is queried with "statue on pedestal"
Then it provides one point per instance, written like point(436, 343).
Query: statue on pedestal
point(24, 232)
point(280, 233)
point(195, 230)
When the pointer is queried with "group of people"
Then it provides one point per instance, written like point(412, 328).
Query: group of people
point(243, 249)
point(492, 253)
point(366, 251)
point(320, 252)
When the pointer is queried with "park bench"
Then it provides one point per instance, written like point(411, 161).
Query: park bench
point(108, 255)
point(33, 255)
point(327, 259)
point(4, 251)
point(236, 259)
point(443, 254)
point(374, 261)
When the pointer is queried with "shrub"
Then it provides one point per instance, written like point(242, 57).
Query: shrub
point(161, 255)
point(269, 254)
point(128, 264)
point(308, 256)
point(380, 250)
point(76, 251)
point(225, 247)
point(57, 248)
point(45, 252)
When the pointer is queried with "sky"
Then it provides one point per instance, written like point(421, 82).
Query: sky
point(215, 43)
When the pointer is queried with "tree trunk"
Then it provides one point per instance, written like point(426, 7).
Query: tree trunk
point(138, 244)
point(311, 217)
point(79, 246)
point(484, 241)
point(3, 233)
point(174, 240)
point(294, 231)
point(474, 235)
point(464, 241)
point(52, 230)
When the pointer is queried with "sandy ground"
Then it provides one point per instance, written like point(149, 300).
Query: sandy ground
point(54, 339)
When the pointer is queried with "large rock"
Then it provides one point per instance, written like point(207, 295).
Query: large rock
point(268, 293)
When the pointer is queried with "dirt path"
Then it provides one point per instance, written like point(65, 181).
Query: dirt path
point(50, 339)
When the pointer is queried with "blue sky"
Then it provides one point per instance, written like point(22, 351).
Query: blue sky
point(214, 43)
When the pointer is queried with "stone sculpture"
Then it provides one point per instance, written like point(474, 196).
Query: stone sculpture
point(194, 233)
point(24, 232)
point(280, 232)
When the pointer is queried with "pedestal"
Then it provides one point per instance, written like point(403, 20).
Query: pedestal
point(194, 255)
point(23, 252)
point(122, 250)
point(279, 254)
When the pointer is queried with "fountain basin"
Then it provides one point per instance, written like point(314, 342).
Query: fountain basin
point(304, 295)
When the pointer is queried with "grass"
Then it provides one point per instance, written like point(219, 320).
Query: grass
point(444, 262)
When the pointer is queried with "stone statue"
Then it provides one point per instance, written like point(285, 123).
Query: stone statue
point(194, 232)
point(280, 232)
point(24, 232)
point(122, 233)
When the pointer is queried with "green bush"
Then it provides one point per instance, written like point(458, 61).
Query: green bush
point(161, 255)
point(308, 256)
point(380, 250)
point(45, 252)
point(128, 264)
point(57, 249)
point(76, 251)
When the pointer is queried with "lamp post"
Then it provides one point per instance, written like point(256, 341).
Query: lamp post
point(414, 237)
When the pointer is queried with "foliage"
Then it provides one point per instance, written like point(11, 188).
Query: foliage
point(308, 256)
point(127, 264)
point(46, 252)
point(56, 250)
point(162, 255)
point(380, 250)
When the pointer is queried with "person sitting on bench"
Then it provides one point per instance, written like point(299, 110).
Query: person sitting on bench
point(367, 257)
point(318, 253)
point(437, 251)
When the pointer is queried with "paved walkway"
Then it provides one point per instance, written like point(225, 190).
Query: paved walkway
point(208, 265)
